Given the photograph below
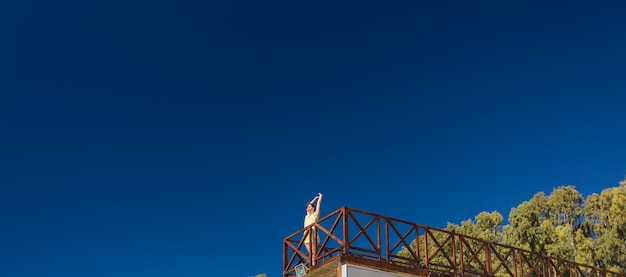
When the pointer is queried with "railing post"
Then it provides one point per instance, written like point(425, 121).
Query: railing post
point(346, 240)
point(380, 248)
point(285, 258)
point(417, 244)
point(426, 258)
point(454, 250)
point(461, 256)
point(544, 265)
point(514, 259)
point(488, 258)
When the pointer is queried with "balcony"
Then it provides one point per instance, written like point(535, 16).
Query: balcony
point(385, 244)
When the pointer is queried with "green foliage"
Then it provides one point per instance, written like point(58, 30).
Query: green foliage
point(525, 222)
point(486, 226)
point(565, 206)
point(489, 226)
point(563, 224)
point(584, 247)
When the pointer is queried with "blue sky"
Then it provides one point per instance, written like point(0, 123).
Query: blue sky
point(183, 138)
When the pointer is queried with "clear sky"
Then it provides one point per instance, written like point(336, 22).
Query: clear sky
point(184, 138)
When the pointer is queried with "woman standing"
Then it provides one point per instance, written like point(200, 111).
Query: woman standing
point(312, 215)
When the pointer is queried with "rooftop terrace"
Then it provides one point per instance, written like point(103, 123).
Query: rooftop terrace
point(375, 241)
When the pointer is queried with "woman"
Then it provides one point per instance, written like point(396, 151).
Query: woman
point(312, 215)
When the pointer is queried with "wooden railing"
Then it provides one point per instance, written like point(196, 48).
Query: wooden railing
point(383, 240)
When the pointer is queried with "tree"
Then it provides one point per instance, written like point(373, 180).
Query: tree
point(605, 225)
point(563, 224)
point(525, 220)
point(489, 226)
point(565, 206)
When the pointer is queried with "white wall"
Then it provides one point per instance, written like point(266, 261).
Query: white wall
point(356, 271)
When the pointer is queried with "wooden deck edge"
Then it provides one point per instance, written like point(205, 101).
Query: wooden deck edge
point(332, 267)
